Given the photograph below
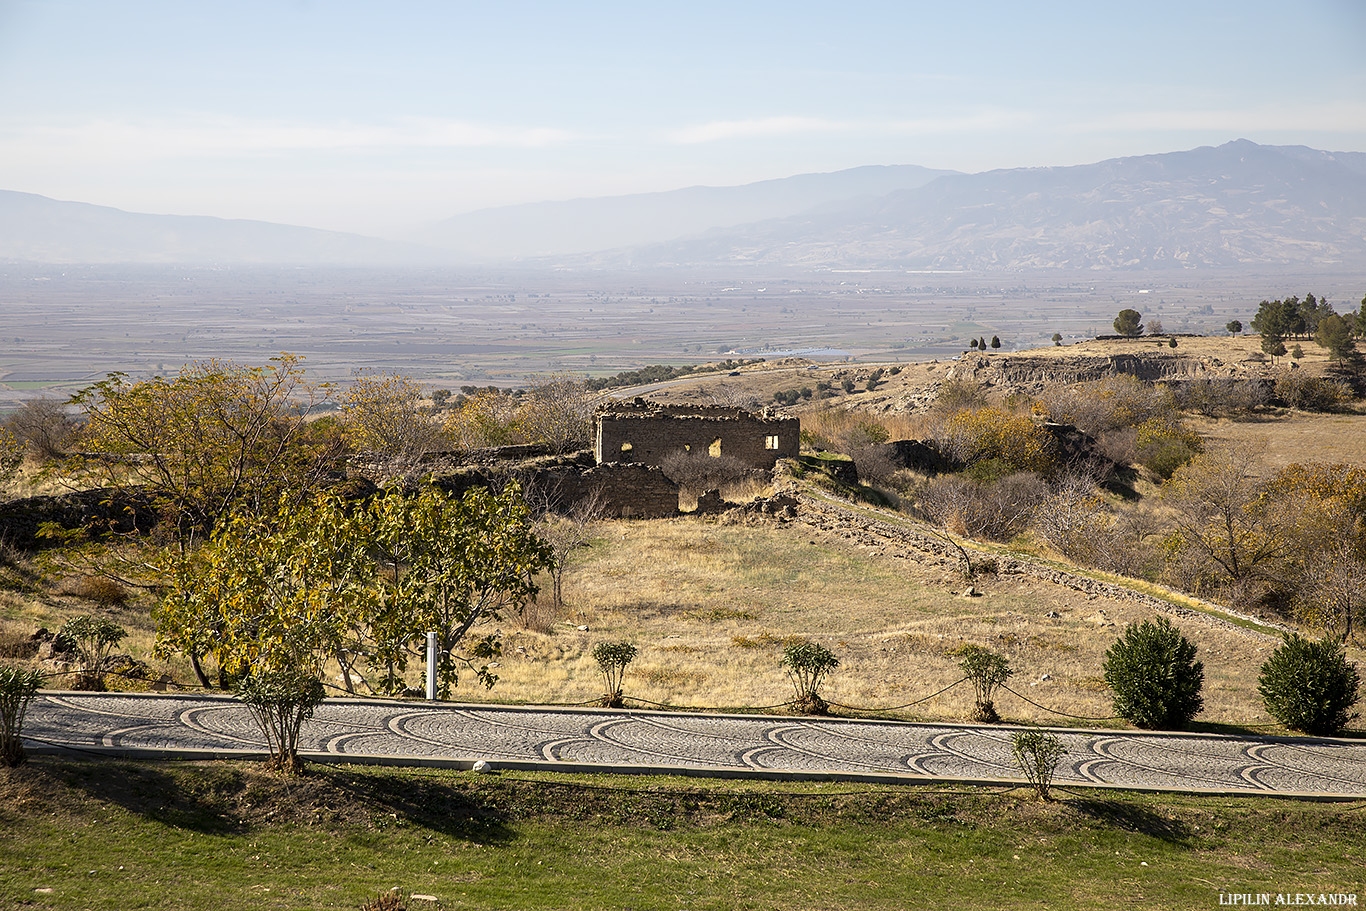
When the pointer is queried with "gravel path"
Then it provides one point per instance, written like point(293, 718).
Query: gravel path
point(403, 732)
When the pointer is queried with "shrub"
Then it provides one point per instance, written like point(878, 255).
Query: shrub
point(1309, 686)
point(1105, 405)
point(95, 638)
point(100, 589)
point(281, 701)
point(1038, 753)
point(997, 511)
point(17, 689)
point(986, 670)
point(806, 664)
point(386, 901)
point(612, 659)
point(1295, 389)
point(959, 394)
point(1221, 396)
point(1154, 676)
point(1164, 445)
point(978, 435)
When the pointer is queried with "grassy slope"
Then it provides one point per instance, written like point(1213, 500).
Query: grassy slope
point(108, 834)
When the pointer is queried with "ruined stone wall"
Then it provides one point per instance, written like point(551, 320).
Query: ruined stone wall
point(620, 490)
point(1027, 370)
point(647, 433)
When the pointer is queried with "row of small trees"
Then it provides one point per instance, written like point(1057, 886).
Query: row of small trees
point(1151, 670)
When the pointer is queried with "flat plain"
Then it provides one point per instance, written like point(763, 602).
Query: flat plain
point(64, 327)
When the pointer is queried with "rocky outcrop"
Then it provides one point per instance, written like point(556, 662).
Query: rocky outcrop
point(1034, 371)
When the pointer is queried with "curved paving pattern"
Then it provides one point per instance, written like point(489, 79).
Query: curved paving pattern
point(410, 731)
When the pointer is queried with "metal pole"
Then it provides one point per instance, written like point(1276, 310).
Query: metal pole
point(431, 666)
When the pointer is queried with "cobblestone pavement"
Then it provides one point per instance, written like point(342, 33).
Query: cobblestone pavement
point(727, 744)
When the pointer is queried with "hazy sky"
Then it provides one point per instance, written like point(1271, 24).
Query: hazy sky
point(371, 115)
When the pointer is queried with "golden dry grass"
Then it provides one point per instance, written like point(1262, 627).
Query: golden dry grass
point(711, 607)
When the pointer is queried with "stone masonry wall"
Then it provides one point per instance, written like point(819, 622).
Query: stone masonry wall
point(647, 433)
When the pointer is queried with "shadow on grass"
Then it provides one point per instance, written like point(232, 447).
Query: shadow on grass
point(160, 792)
point(230, 798)
point(1132, 818)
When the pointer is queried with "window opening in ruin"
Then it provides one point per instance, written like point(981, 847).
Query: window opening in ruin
point(714, 450)
point(770, 442)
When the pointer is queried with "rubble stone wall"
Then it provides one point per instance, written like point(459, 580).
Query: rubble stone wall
point(647, 433)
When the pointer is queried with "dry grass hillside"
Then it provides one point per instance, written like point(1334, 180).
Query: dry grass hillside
point(711, 601)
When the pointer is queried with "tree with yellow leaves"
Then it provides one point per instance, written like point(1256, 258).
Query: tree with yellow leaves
point(217, 438)
point(384, 414)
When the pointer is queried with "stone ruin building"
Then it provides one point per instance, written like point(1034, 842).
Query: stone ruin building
point(646, 433)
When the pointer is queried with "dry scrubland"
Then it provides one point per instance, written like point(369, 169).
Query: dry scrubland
point(711, 604)
point(711, 607)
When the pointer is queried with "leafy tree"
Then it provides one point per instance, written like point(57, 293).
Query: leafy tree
point(806, 664)
point(1220, 517)
point(973, 344)
point(612, 659)
point(1273, 345)
point(218, 437)
point(384, 414)
point(486, 418)
point(1155, 327)
point(1335, 333)
point(982, 344)
point(1057, 338)
point(458, 564)
point(978, 435)
point(986, 670)
point(1234, 327)
point(1154, 676)
point(995, 341)
point(17, 689)
point(273, 593)
point(11, 456)
point(1309, 686)
point(1129, 323)
point(1281, 318)
point(559, 411)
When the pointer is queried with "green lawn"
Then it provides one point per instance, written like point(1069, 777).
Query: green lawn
point(224, 835)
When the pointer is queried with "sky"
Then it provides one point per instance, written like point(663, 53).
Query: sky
point(378, 115)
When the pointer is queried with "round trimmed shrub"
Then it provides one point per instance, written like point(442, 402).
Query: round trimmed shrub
point(1309, 686)
point(1154, 676)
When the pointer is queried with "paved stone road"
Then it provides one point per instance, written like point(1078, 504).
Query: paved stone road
point(726, 744)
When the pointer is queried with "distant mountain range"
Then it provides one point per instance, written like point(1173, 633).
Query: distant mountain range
point(586, 225)
point(38, 229)
point(1239, 204)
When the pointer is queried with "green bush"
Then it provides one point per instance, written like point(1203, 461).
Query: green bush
point(987, 670)
point(1154, 676)
point(95, 638)
point(281, 701)
point(612, 658)
point(1309, 686)
point(1038, 753)
point(17, 689)
point(806, 664)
